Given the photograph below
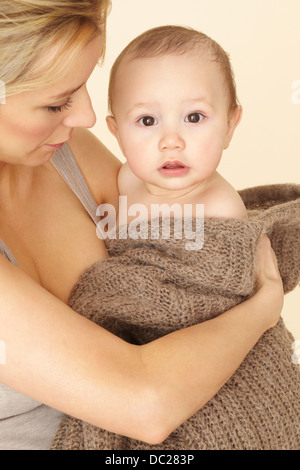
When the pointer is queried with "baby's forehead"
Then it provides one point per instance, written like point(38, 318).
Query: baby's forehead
point(158, 68)
point(194, 57)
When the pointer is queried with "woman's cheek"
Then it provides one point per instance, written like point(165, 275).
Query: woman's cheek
point(33, 129)
point(43, 132)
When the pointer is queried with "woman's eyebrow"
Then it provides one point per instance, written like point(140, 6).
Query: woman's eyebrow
point(66, 93)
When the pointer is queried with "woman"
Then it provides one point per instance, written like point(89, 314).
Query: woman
point(53, 355)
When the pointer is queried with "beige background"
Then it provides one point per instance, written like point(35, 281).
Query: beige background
point(263, 40)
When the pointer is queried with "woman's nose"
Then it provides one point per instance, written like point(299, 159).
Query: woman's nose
point(171, 141)
point(81, 113)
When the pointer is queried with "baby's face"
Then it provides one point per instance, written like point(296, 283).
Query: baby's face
point(171, 118)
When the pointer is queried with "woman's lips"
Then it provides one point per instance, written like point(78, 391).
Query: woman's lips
point(173, 168)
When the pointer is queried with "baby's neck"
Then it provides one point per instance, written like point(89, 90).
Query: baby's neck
point(181, 196)
point(137, 191)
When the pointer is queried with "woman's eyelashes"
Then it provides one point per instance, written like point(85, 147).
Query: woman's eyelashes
point(192, 118)
point(59, 109)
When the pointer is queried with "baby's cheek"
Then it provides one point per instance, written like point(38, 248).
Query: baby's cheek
point(135, 153)
point(210, 156)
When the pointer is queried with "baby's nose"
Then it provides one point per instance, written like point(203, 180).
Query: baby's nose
point(171, 141)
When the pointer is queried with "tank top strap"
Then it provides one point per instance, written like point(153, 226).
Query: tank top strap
point(5, 251)
point(64, 162)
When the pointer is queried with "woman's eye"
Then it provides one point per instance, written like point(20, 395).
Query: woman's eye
point(147, 121)
point(59, 109)
point(194, 118)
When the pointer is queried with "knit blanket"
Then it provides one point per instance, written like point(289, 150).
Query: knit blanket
point(149, 288)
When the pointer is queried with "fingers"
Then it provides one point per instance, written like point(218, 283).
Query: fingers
point(266, 262)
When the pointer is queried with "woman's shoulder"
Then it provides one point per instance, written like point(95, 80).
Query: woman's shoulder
point(97, 164)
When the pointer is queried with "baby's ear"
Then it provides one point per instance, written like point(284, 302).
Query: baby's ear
point(233, 121)
point(112, 125)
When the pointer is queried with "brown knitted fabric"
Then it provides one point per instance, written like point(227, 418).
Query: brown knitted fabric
point(149, 288)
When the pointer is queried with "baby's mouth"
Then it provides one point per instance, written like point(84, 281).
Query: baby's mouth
point(173, 168)
point(175, 164)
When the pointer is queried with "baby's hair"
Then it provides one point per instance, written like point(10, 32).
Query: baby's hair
point(165, 40)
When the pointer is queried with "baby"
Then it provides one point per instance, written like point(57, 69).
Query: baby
point(173, 109)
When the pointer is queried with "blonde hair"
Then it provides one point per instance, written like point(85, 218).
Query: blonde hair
point(29, 29)
point(164, 40)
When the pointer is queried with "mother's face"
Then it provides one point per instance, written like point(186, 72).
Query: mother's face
point(34, 124)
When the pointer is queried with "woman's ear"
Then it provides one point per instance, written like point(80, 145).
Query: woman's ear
point(233, 121)
point(112, 125)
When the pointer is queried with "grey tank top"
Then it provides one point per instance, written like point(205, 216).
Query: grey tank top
point(26, 424)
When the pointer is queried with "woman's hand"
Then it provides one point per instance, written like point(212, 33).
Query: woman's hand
point(268, 282)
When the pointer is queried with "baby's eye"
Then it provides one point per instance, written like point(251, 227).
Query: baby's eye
point(147, 121)
point(194, 118)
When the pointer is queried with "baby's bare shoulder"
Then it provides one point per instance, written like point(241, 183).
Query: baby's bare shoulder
point(224, 201)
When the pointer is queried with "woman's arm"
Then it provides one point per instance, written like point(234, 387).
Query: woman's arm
point(65, 361)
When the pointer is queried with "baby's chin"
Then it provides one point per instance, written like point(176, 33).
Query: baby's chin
point(173, 188)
